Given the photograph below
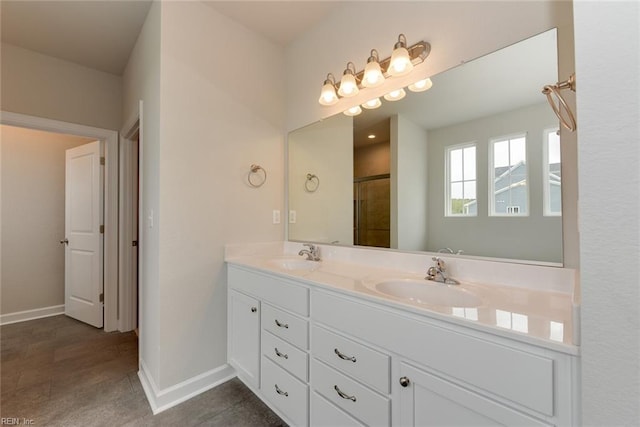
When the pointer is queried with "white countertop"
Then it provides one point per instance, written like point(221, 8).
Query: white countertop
point(540, 317)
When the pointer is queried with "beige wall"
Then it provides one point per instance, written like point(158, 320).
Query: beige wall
point(44, 86)
point(372, 159)
point(32, 193)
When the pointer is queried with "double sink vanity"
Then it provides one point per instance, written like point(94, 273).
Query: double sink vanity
point(362, 338)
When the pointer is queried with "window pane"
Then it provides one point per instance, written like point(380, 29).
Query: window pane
point(470, 163)
point(470, 190)
point(553, 178)
point(501, 154)
point(518, 151)
point(456, 190)
point(554, 148)
point(455, 163)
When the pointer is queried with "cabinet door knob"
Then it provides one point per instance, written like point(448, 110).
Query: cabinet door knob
point(254, 309)
point(404, 382)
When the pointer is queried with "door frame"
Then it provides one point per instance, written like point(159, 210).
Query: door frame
point(128, 297)
point(110, 139)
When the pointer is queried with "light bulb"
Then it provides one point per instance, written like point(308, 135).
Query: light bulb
point(328, 93)
point(353, 111)
point(372, 103)
point(395, 95)
point(348, 86)
point(372, 76)
point(421, 85)
point(400, 63)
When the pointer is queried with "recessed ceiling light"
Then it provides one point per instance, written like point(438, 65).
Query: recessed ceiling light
point(372, 136)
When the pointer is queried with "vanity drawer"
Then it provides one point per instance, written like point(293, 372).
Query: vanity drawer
point(285, 355)
point(364, 404)
point(510, 373)
point(288, 394)
point(325, 414)
point(357, 360)
point(286, 326)
point(286, 294)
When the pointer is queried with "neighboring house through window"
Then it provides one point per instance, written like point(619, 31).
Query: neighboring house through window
point(461, 180)
point(552, 173)
point(508, 189)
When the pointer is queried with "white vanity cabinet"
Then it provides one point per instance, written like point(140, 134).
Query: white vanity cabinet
point(269, 349)
point(324, 357)
point(244, 336)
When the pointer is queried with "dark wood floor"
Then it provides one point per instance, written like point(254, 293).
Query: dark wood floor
point(57, 371)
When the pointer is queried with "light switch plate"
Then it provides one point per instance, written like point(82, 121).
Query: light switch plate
point(292, 217)
point(276, 216)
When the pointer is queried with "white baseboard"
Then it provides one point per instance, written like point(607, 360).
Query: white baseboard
point(161, 400)
point(38, 313)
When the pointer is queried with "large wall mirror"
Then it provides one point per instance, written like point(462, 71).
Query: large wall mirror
point(470, 166)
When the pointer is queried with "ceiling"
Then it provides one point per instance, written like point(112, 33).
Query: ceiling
point(100, 34)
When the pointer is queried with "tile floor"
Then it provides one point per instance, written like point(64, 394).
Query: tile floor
point(57, 371)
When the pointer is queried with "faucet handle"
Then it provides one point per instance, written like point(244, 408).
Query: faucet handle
point(440, 263)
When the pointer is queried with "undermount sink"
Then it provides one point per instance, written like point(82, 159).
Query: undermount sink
point(293, 264)
point(422, 291)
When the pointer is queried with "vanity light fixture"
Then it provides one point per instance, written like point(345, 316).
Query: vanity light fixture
point(353, 111)
point(348, 84)
point(421, 85)
point(328, 94)
point(372, 104)
point(373, 76)
point(395, 95)
point(375, 73)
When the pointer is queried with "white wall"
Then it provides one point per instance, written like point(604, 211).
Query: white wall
point(532, 237)
point(44, 86)
point(141, 82)
point(218, 115)
point(409, 215)
point(33, 186)
point(607, 51)
point(326, 150)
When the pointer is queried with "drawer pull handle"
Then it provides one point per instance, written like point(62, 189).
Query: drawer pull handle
point(343, 394)
point(344, 356)
point(284, 355)
point(254, 309)
point(280, 392)
point(282, 325)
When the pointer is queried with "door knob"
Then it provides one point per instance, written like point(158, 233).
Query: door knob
point(404, 381)
point(65, 241)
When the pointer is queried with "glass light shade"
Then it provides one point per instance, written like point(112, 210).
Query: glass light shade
point(372, 103)
point(348, 85)
point(353, 111)
point(400, 63)
point(328, 95)
point(395, 95)
point(421, 85)
point(372, 75)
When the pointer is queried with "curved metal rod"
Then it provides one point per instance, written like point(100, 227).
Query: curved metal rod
point(549, 90)
point(253, 172)
point(312, 183)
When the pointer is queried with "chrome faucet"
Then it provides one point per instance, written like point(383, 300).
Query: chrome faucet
point(438, 273)
point(313, 253)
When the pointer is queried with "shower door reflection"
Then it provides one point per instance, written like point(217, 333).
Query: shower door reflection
point(372, 211)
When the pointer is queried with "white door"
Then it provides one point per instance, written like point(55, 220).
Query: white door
point(83, 278)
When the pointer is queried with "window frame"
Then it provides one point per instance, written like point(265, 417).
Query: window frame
point(491, 181)
point(447, 180)
point(545, 172)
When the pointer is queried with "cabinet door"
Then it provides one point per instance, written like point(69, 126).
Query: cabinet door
point(428, 400)
point(244, 336)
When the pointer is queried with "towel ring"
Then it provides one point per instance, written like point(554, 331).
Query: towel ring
point(312, 183)
point(568, 122)
point(255, 178)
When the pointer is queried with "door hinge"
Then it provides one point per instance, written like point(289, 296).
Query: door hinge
point(134, 243)
point(102, 161)
point(101, 297)
point(102, 229)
